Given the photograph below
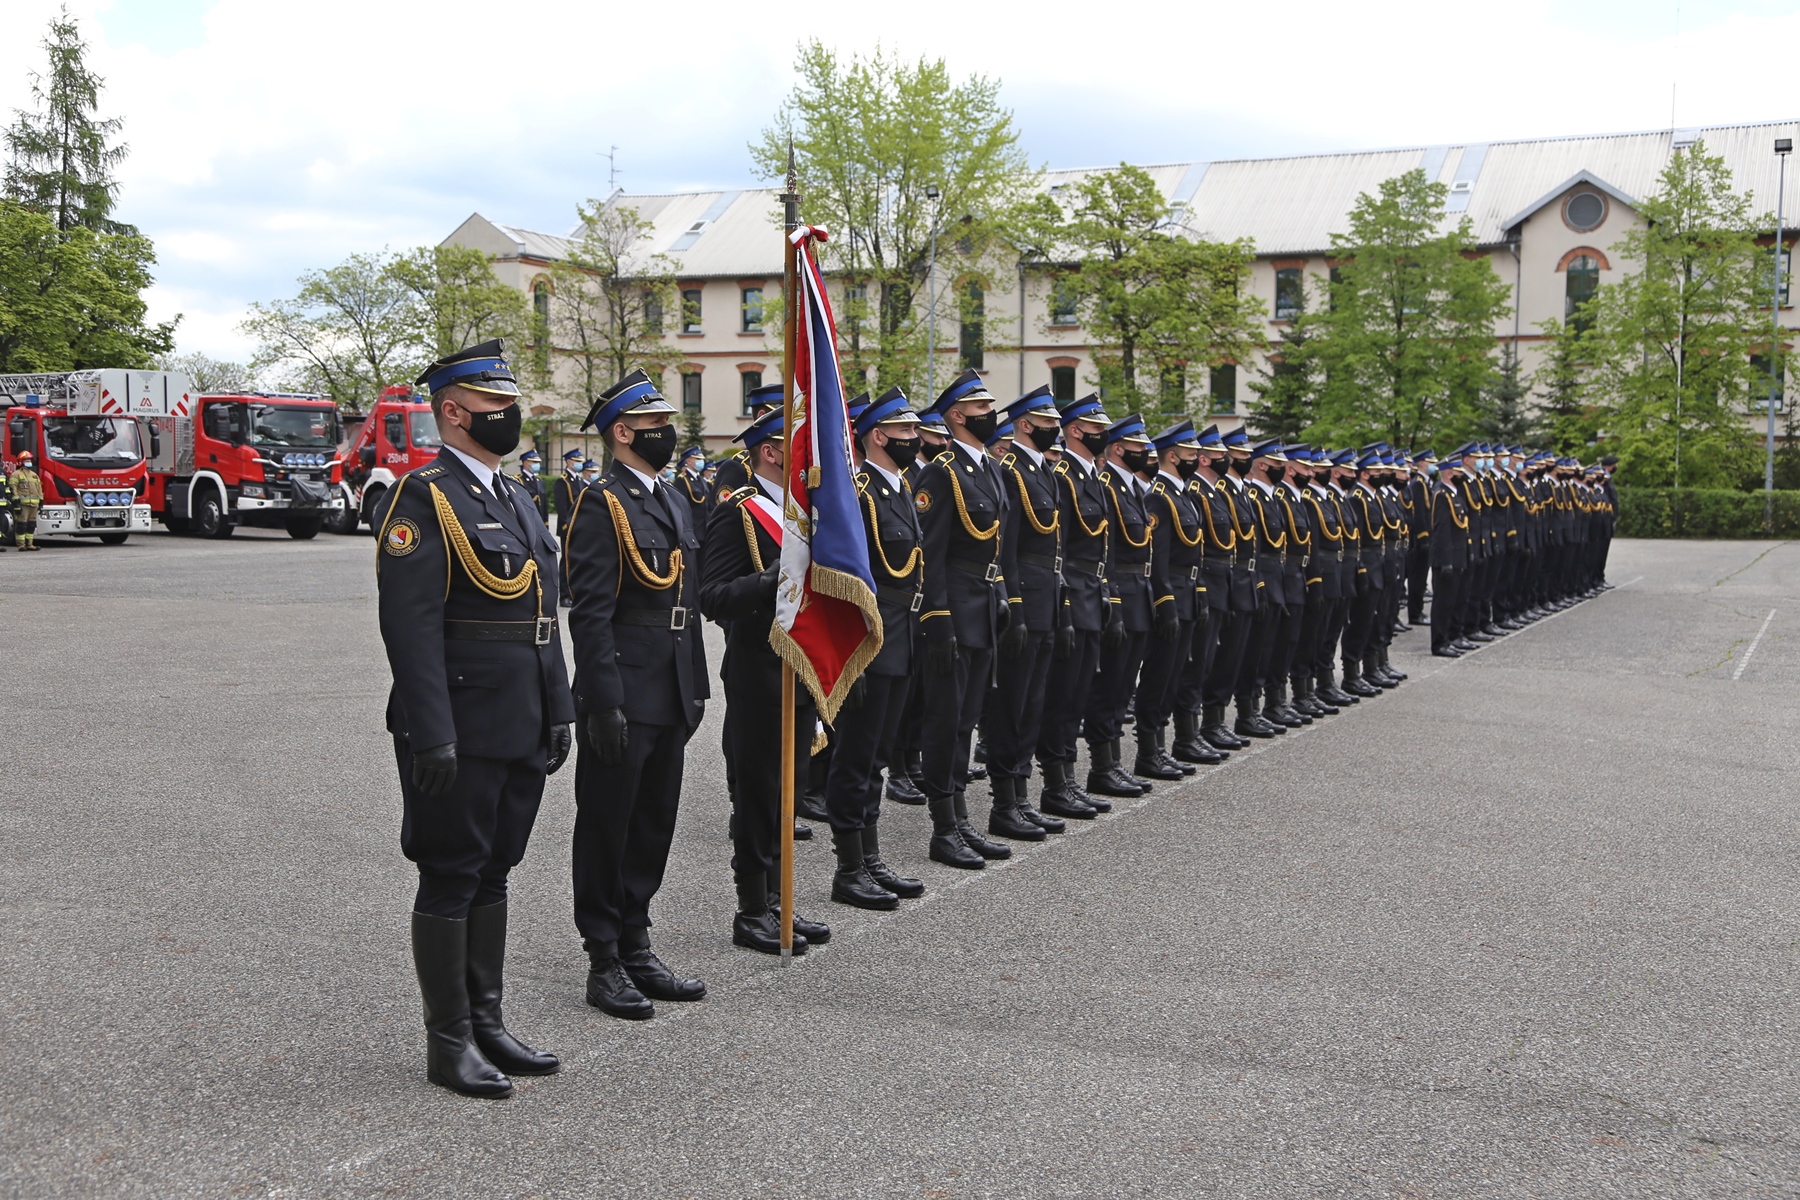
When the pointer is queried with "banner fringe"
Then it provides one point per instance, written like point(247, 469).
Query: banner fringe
point(839, 585)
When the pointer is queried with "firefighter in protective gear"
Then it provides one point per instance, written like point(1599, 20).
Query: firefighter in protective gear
point(27, 492)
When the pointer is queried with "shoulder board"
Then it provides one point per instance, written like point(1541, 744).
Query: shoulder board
point(1009, 460)
point(1158, 487)
point(1061, 468)
point(862, 481)
point(742, 494)
point(1106, 477)
point(428, 472)
point(946, 458)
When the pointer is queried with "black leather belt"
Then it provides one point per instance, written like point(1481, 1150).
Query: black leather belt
point(989, 571)
point(538, 632)
point(655, 618)
point(1086, 566)
point(1049, 562)
point(912, 601)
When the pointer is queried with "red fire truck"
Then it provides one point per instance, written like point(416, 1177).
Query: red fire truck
point(78, 428)
point(265, 459)
point(399, 434)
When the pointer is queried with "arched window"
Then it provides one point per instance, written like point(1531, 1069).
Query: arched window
point(540, 299)
point(1583, 281)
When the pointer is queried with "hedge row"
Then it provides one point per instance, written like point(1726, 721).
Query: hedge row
point(1704, 513)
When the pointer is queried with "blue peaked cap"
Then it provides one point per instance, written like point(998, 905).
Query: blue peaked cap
point(1087, 408)
point(1210, 439)
point(770, 425)
point(1270, 449)
point(1129, 428)
point(1179, 434)
point(1000, 434)
point(632, 394)
point(1237, 439)
point(967, 386)
point(1037, 403)
point(892, 408)
point(479, 368)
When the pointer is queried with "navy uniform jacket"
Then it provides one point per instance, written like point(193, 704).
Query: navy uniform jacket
point(1451, 537)
point(1031, 545)
point(1301, 572)
point(897, 563)
point(636, 632)
point(960, 503)
point(1130, 571)
point(533, 487)
point(735, 593)
point(568, 487)
point(1082, 520)
point(1178, 544)
point(732, 476)
point(1336, 569)
point(1231, 584)
point(697, 494)
point(447, 544)
point(1416, 500)
point(1363, 509)
point(1394, 518)
point(1271, 543)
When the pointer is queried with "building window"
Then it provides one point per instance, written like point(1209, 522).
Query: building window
point(1583, 281)
point(1224, 389)
point(1336, 278)
point(752, 381)
point(753, 310)
point(1289, 297)
point(970, 345)
point(540, 300)
point(1786, 269)
point(690, 310)
point(653, 312)
point(690, 390)
point(1584, 211)
point(1062, 304)
point(1062, 384)
point(1759, 391)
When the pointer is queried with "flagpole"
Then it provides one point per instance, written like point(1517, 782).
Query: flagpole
point(790, 296)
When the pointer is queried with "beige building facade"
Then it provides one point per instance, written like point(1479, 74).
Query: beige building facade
point(1547, 213)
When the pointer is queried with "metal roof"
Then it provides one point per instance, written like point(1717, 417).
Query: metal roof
point(1284, 205)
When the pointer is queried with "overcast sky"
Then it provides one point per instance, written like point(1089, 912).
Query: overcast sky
point(267, 138)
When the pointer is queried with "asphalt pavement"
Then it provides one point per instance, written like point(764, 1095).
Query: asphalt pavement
point(1523, 927)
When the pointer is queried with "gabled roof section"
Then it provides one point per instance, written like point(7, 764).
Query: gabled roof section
point(1575, 180)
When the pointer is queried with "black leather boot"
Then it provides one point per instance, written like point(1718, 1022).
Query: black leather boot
point(852, 884)
point(1004, 819)
point(1289, 708)
point(881, 873)
point(452, 1059)
point(1216, 733)
point(1277, 712)
point(1396, 675)
point(816, 933)
point(755, 926)
point(1149, 764)
point(1117, 758)
point(1104, 779)
point(1372, 670)
point(1250, 723)
point(1060, 799)
point(1322, 705)
point(983, 846)
point(610, 989)
point(901, 789)
point(947, 845)
point(810, 806)
point(1331, 693)
point(649, 974)
point(1355, 686)
point(1169, 761)
point(487, 963)
point(1189, 746)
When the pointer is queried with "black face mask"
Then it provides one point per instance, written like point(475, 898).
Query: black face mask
point(1187, 468)
point(655, 446)
point(1043, 439)
point(1277, 474)
point(1095, 442)
point(496, 432)
point(1136, 460)
point(903, 451)
point(1240, 467)
point(982, 426)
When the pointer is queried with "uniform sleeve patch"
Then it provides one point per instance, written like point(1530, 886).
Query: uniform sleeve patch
point(401, 538)
point(922, 501)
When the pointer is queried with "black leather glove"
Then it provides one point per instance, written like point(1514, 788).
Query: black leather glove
point(1113, 636)
point(1012, 642)
point(606, 730)
point(1065, 642)
point(940, 657)
point(1004, 620)
point(771, 575)
point(1168, 625)
point(434, 770)
point(859, 690)
point(561, 737)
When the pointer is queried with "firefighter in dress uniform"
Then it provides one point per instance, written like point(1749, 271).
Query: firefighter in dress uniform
point(1178, 544)
point(568, 486)
point(869, 721)
point(1134, 591)
point(480, 709)
point(905, 764)
point(640, 690)
point(531, 484)
point(742, 566)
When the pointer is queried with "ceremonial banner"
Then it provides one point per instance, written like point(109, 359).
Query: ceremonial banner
point(827, 627)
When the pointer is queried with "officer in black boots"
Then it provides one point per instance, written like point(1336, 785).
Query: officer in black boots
point(742, 565)
point(1178, 544)
point(1450, 544)
point(480, 709)
point(1266, 466)
point(869, 721)
point(640, 687)
point(961, 501)
point(1130, 576)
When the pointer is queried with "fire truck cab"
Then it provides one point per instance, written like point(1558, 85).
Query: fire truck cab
point(399, 434)
point(85, 446)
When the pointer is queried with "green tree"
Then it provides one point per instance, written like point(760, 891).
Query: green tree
point(1285, 403)
point(1565, 421)
point(1158, 303)
point(1406, 344)
point(457, 301)
point(609, 303)
point(210, 374)
point(1672, 341)
point(869, 137)
point(60, 161)
point(1505, 416)
point(349, 332)
point(73, 299)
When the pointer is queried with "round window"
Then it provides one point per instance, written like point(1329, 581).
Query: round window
point(1584, 210)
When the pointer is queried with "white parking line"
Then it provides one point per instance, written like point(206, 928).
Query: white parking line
point(1739, 673)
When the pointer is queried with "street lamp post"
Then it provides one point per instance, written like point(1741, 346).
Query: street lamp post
point(1783, 146)
point(931, 194)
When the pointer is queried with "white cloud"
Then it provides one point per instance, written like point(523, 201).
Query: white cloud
point(268, 139)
